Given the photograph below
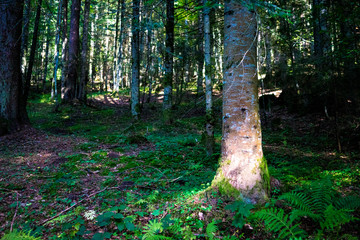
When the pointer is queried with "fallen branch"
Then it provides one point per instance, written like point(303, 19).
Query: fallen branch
point(71, 207)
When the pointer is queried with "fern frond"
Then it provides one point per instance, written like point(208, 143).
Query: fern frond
point(321, 193)
point(335, 217)
point(277, 221)
point(152, 229)
point(175, 228)
point(298, 213)
point(211, 229)
point(298, 200)
point(349, 202)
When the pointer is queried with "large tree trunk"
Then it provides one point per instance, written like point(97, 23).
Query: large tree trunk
point(208, 73)
point(135, 45)
point(243, 170)
point(84, 77)
point(169, 61)
point(11, 13)
point(72, 71)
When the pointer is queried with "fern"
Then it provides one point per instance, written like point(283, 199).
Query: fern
point(278, 222)
point(152, 229)
point(211, 229)
point(335, 218)
point(15, 235)
point(321, 194)
point(349, 202)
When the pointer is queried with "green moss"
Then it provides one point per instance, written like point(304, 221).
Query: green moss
point(264, 174)
point(224, 187)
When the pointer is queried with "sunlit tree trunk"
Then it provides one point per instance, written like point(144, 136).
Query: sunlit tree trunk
point(208, 74)
point(169, 62)
point(84, 77)
point(135, 97)
point(243, 170)
point(65, 46)
point(25, 35)
point(54, 91)
point(72, 71)
point(200, 59)
point(11, 13)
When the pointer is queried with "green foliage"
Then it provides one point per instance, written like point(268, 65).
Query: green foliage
point(242, 211)
point(211, 230)
point(277, 221)
point(19, 235)
point(319, 202)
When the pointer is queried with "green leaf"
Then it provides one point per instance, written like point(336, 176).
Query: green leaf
point(129, 225)
point(118, 216)
point(120, 226)
point(156, 213)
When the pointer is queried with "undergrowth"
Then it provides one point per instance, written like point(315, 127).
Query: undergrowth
point(146, 180)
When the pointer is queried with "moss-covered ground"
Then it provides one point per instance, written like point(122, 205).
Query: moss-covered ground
point(91, 172)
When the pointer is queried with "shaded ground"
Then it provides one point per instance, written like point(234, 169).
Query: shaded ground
point(89, 159)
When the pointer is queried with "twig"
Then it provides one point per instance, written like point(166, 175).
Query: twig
point(16, 210)
point(67, 209)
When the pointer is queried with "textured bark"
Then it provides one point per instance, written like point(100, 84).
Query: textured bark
point(208, 82)
point(135, 44)
point(169, 61)
point(84, 77)
point(243, 170)
point(200, 59)
point(72, 71)
point(11, 14)
point(119, 64)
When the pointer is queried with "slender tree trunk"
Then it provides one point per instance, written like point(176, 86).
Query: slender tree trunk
point(48, 36)
point(200, 59)
point(72, 71)
point(169, 62)
point(54, 92)
point(150, 66)
point(208, 82)
point(115, 83)
point(65, 46)
point(243, 170)
point(119, 64)
point(24, 36)
point(31, 60)
point(84, 77)
point(135, 98)
point(11, 117)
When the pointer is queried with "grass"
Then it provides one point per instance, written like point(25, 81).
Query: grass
point(127, 180)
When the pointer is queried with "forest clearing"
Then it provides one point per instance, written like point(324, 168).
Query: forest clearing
point(179, 119)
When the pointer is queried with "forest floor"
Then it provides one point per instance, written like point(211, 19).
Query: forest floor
point(91, 172)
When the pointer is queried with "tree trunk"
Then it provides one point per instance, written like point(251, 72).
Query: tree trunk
point(48, 36)
point(65, 46)
point(169, 62)
point(72, 71)
point(11, 13)
point(54, 92)
point(243, 170)
point(200, 59)
point(31, 61)
point(208, 74)
point(24, 36)
point(135, 97)
point(84, 77)
point(119, 60)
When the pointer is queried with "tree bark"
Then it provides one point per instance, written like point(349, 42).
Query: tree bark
point(208, 82)
point(54, 91)
point(84, 77)
point(65, 47)
point(135, 45)
point(72, 71)
point(169, 62)
point(11, 118)
point(243, 170)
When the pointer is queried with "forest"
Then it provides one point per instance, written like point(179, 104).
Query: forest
point(179, 119)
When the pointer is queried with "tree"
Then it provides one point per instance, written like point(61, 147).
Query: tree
point(169, 61)
point(11, 117)
point(72, 71)
point(135, 97)
point(208, 72)
point(243, 170)
point(84, 77)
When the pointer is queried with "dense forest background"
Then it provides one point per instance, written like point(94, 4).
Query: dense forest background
point(114, 128)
